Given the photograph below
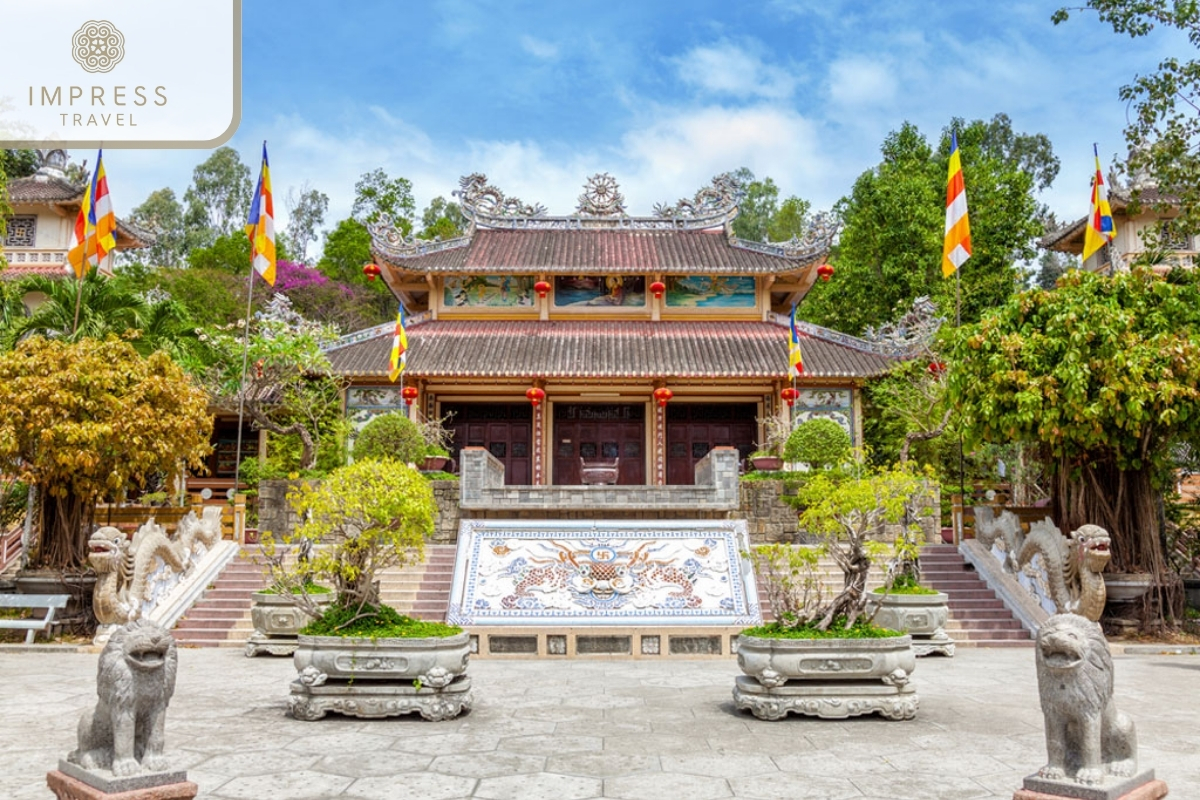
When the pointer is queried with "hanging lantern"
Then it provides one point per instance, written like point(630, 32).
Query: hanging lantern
point(663, 395)
point(825, 272)
point(542, 288)
point(371, 271)
point(657, 288)
point(789, 395)
point(409, 394)
point(936, 368)
point(535, 395)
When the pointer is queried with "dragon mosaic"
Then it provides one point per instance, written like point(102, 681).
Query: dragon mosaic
point(1072, 565)
point(609, 575)
point(128, 570)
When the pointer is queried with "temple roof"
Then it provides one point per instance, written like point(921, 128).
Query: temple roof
point(602, 349)
point(1069, 238)
point(39, 189)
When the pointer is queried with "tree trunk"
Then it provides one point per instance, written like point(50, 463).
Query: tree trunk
point(65, 525)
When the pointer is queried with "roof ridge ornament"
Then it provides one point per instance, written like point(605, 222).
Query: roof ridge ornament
point(818, 237)
point(392, 242)
point(480, 199)
point(718, 199)
point(912, 332)
point(601, 197)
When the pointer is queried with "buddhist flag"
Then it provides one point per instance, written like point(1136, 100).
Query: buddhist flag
point(260, 226)
point(795, 359)
point(1100, 229)
point(399, 347)
point(957, 247)
point(94, 237)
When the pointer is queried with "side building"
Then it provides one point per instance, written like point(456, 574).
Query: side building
point(552, 341)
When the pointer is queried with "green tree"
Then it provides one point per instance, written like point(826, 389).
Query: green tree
point(1102, 375)
point(219, 197)
point(347, 248)
point(1164, 128)
point(227, 253)
point(19, 163)
point(162, 215)
point(442, 220)
point(306, 214)
point(1051, 266)
point(890, 249)
point(88, 419)
point(392, 436)
point(761, 217)
point(376, 195)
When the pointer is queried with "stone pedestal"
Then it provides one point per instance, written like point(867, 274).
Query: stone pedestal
point(1140, 787)
point(833, 700)
point(378, 699)
point(73, 782)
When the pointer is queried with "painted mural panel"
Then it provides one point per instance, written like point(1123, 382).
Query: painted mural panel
point(488, 291)
point(615, 573)
point(834, 404)
point(703, 291)
point(587, 291)
point(365, 403)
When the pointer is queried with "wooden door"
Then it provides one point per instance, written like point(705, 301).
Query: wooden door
point(585, 430)
point(505, 429)
point(695, 428)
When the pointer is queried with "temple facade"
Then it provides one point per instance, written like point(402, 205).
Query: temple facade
point(641, 343)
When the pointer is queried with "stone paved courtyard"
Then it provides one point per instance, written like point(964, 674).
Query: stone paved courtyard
point(583, 729)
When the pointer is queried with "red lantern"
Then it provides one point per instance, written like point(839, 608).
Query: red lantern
point(825, 272)
point(542, 288)
point(663, 395)
point(409, 394)
point(535, 395)
point(371, 271)
point(789, 396)
point(657, 288)
point(936, 368)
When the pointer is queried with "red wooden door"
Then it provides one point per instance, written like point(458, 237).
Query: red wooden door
point(695, 428)
point(599, 432)
point(505, 429)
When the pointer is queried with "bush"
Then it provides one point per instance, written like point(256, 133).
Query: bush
point(390, 436)
point(821, 443)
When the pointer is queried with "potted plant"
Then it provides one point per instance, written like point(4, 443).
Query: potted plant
point(823, 656)
point(902, 603)
point(358, 656)
point(436, 458)
point(437, 440)
point(767, 457)
point(275, 612)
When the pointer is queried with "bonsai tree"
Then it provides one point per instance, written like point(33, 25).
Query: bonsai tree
point(391, 436)
point(88, 419)
point(365, 518)
point(775, 434)
point(819, 442)
point(1102, 375)
point(436, 437)
point(846, 514)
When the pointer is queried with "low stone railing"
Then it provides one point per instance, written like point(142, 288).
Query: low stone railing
point(482, 485)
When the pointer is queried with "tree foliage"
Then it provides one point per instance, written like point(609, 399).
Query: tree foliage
point(761, 216)
point(819, 442)
point(1102, 374)
point(19, 163)
point(162, 215)
point(219, 196)
point(890, 249)
point(442, 220)
point(306, 215)
point(87, 419)
point(377, 195)
point(390, 436)
point(1164, 128)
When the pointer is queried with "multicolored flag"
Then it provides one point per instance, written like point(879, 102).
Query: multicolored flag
point(795, 359)
point(1100, 229)
point(260, 226)
point(94, 237)
point(399, 347)
point(957, 247)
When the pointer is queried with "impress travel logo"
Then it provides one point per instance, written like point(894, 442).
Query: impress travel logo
point(147, 74)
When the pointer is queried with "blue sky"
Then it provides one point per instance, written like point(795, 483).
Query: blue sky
point(661, 94)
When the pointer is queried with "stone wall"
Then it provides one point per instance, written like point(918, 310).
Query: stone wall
point(766, 512)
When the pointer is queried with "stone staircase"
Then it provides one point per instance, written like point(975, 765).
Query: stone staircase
point(421, 590)
point(977, 617)
point(221, 618)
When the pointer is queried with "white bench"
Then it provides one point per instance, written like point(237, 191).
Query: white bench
point(50, 602)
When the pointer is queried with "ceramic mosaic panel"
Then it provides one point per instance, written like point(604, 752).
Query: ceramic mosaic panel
point(834, 404)
point(702, 291)
point(488, 291)
point(689, 572)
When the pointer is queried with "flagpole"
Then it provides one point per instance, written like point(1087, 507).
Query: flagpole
point(237, 457)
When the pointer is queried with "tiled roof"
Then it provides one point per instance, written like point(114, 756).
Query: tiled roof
point(603, 349)
point(1119, 200)
point(42, 189)
point(574, 252)
point(15, 272)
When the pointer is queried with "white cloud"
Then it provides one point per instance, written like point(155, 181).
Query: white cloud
point(727, 68)
point(859, 81)
point(539, 48)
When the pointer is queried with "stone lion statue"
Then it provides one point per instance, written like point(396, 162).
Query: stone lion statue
point(135, 682)
point(1087, 739)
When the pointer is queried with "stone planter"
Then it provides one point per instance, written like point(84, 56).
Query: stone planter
point(1125, 587)
point(375, 678)
point(923, 616)
point(277, 622)
point(767, 463)
point(435, 463)
point(827, 678)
